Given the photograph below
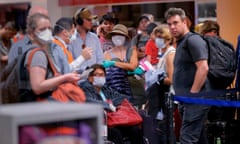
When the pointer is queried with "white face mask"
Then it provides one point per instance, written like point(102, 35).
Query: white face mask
point(160, 43)
point(118, 40)
point(45, 36)
point(73, 37)
point(99, 81)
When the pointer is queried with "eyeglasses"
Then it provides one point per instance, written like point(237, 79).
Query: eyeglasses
point(99, 74)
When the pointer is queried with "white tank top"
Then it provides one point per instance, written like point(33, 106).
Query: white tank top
point(162, 60)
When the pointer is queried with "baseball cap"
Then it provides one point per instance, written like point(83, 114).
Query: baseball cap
point(84, 13)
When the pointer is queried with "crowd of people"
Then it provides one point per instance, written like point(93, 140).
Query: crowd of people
point(119, 57)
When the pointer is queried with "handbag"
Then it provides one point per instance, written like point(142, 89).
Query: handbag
point(65, 92)
point(125, 115)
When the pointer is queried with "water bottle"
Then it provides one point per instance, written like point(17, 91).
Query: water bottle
point(218, 140)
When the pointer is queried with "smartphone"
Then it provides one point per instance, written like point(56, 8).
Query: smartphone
point(85, 73)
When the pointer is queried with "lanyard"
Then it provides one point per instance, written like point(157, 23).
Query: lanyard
point(103, 96)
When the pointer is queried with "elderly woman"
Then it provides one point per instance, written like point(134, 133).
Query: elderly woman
point(156, 92)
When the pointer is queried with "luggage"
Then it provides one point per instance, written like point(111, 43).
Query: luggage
point(149, 127)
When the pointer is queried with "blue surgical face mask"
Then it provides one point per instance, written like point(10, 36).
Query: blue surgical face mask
point(99, 81)
point(160, 43)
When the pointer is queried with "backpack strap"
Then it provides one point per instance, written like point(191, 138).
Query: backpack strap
point(203, 37)
point(22, 74)
point(138, 39)
point(19, 51)
point(184, 43)
point(32, 52)
point(129, 54)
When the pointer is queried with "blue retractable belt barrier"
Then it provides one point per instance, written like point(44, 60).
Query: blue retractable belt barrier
point(209, 98)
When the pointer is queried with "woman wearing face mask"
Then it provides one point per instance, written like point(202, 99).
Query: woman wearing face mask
point(97, 91)
point(120, 59)
point(156, 93)
point(166, 52)
point(96, 85)
point(64, 33)
point(41, 79)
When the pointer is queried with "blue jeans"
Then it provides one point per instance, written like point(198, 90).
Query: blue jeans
point(193, 130)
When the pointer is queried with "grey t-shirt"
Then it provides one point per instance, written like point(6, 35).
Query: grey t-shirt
point(39, 59)
point(187, 53)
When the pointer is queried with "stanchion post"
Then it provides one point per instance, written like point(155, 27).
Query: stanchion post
point(170, 130)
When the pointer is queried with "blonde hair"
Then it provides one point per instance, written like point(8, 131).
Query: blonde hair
point(164, 31)
point(198, 27)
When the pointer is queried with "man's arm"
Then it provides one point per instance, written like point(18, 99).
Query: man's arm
point(200, 76)
point(4, 58)
point(85, 55)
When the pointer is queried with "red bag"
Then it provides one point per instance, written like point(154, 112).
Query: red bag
point(65, 92)
point(126, 115)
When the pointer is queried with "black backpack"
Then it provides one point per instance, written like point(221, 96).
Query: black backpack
point(14, 78)
point(222, 61)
